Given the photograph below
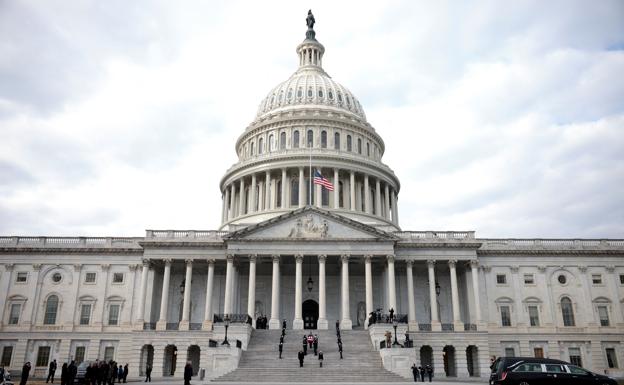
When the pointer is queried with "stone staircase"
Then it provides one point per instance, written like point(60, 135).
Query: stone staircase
point(260, 362)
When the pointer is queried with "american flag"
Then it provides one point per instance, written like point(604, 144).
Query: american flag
point(320, 179)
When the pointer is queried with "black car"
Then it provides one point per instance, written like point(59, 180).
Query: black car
point(542, 371)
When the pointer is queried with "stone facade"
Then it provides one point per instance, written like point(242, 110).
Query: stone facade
point(310, 256)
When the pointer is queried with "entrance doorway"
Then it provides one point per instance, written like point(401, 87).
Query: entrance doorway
point(310, 310)
point(171, 355)
point(449, 361)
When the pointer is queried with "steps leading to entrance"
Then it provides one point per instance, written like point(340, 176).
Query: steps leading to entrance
point(360, 363)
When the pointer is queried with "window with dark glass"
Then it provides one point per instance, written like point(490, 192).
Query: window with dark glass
point(323, 139)
point(567, 312)
point(309, 92)
point(337, 141)
point(529, 279)
point(43, 356)
point(7, 353)
point(320, 93)
point(597, 279)
point(109, 353)
point(79, 354)
point(260, 146)
point(51, 309)
point(603, 315)
point(330, 94)
point(294, 192)
point(299, 93)
point(359, 146)
point(113, 314)
point(501, 279)
point(21, 277)
point(324, 196)
point(278, 195)
point(575, 356)
point(611, 358)
point(310, 139)
point(621, 279)
point(349, 144)
point(367, 149)
point(85, 313)
point(533, 315)
point(14, 313)
point(271, 144)
point(295, 139)
point(562, 279)
point(118, 277)
point(282, 141)
point(505, 316)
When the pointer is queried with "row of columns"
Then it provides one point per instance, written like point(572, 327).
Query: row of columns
point(274, 322)
point(267, 199)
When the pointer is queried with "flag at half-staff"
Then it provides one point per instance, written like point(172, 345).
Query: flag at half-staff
point(320, 179)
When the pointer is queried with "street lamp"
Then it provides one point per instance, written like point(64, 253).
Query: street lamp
point(226, 321)
point(394, 325)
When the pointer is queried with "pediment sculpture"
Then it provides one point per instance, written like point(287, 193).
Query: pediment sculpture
point(308, 227)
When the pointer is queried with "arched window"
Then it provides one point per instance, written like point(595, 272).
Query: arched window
point(294, 192)
point(359, 146)
point(51, 309)
point(295, 139)
point(320, 93)
point(310, 141)
point(337, 141)
point(567, 312)
point(271, 143)
point(324, 197)
point(283, 141)
point(252, 149)
point(349, 144)
point(260, 147)
point(278, 194)
point(367, 149)
point(341, 196)
point(323, 139)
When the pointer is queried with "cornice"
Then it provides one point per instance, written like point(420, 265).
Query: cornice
point(549, 252)
point(70, 250)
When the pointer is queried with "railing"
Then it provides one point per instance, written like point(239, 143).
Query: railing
point(420, 235)
point(234, 318)
point(149, 325)
point(448, 327)
point(552, 243)
point(470, 327)
point(173, 326)
point(424, 327)
point(70, 241)
point(185, 234)
point(195, 326)
point(385, 318)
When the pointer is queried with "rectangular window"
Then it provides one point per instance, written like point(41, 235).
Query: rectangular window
point(90, 277)
point(611, 358)
point(113, 315)
point(538, 352)
point(575, 356)
point(528, 279)
point(533, 315)
point(118, 277)
point(603, 314)
point(85, 313)
point(621, 279)
point(510, 352)
point(7, 353)
point(14, 314)
point(501, 279)
point(597, 279)
point(505, 316)
point(80, 354)
point(109, 353)
point(21, 277)
point(43, 356)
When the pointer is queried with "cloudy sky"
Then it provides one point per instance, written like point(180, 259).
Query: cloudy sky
point(502, 117)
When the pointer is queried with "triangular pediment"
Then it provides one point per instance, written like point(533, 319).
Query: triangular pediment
point(310, 223)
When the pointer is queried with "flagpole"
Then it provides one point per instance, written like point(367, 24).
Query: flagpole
point(310, 192)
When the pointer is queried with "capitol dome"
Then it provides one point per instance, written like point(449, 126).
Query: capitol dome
point(305, 125)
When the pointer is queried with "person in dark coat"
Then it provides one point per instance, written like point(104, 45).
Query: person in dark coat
point(125, 373)
point(281, 339)
point(305, 346)
point(280, 347)
point(88, 374)
point(71, 373)
point(25, 373)
point(119, 374)
point(391, 311)
point(148, 373)
point(415, 372)
point(284, 324)
point(337, 327)
point(51, 371)
point(300, 356)
point(429, 370)
point(64, 374)
point(188, 373)
point(422, 373)
point(320, 357)
point(315, 344)
point(340, 348)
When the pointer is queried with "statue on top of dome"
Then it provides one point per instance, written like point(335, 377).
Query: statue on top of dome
point(310, 20)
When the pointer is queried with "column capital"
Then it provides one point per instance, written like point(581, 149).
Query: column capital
point(275, 258)
point(390, 258)
point(146, 262)
point(37, 266)
point(474, 263)
point(78, 267)
point(253, 258)
point(345, 258)
point(514, 268)
point(582, 268)
point(541, 268)
point(322, 258)
point(299, 258)
point(368, 258)
point(189, 262)
point(431, 262)
point(167, 261)
point(105, 266)
point(610, 268)
point(132, 266)
point(452, 263)
point(409, 263)
point(9, 266)
point(229, 257)
point(211, 261)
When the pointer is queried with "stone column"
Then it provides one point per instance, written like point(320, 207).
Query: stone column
point(411, 313)
point(229, 272)
point(274, 322)
point(367, 208)
point(251, 292)
point(164, 297)
point(302, 188)
point(368, 277)
point(322, 323)
point(209, 285)
point(474, 269)
point(387, 200)
point(613, 279)
point(252, 190)
point(377, 197)
point(459, 326)
point(284, 185)
point(267, 191)
point(298, 321)
point(186, 305)
point(433, 301)
point(345, 323)
point(395, 211)
point(140, 319)
point(232, 200)
point(224, 198)
point(336, 189)
point(391, 284)
point(241, 198)
point(318, 195)
point(352, 191)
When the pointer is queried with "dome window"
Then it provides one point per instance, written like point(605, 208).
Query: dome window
point(290, 94)
point(299, 93)
point(320, 93)
point(323, 139)
point(349, 143)
point(339, 97)
point(260, 146)
point(295, 140)
point(348, 101)
point(310, 92)
point(331, 95)
point(281, 96)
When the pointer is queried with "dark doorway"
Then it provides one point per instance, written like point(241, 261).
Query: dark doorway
point(449, 361)
point(310, 314)
point(171, 355)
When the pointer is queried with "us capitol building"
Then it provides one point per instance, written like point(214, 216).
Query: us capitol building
point(310, 256)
